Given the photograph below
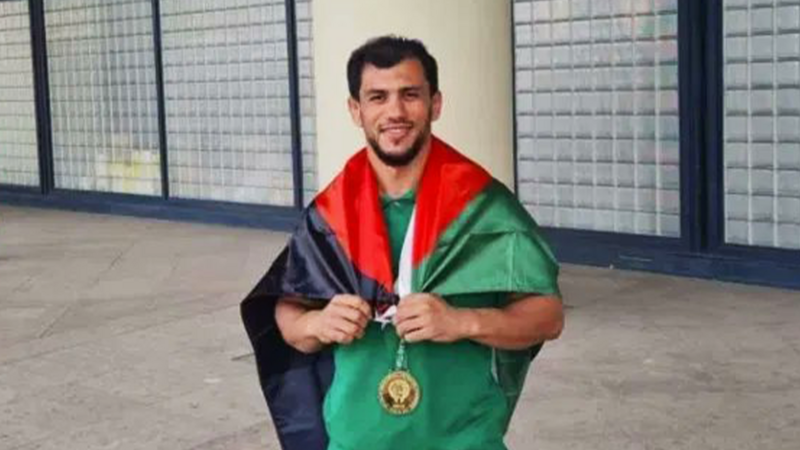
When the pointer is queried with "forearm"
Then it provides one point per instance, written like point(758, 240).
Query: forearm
point(295, 322)
point(524, 323)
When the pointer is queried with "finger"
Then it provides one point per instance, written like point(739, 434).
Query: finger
point(355, 331)
point(342, 299)
point(360, 306)
point(353, 301)
point(338, 337)
point(342, 308)
point(365, 311)
point(346, 327)
point(363, 306)
point(408, 311)
point(360, 334)
point(347, 313)
point(357, 318)
point(409, 326)
point(345, 338)
point(418, 335)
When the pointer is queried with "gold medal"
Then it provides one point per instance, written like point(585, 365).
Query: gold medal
point(399, 392)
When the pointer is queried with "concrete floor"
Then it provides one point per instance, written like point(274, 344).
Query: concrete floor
point(119, 333)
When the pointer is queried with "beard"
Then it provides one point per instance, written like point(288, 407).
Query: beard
point(403, 158)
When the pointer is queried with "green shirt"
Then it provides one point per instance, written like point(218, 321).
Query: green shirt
point(397, 215)
point(462, 406)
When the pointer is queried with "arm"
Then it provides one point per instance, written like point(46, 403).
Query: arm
point(525, 322)
point(343, 320)
point(528, 321)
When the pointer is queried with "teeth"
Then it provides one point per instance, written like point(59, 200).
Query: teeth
point(397, 133)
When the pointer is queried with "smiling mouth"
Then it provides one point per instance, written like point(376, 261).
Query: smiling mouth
point(396, 131)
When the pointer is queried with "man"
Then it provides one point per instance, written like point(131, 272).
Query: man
point(422, 275)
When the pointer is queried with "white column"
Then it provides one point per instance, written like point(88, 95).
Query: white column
point(470, 39)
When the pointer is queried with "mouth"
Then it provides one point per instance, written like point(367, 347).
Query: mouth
point(396, 132)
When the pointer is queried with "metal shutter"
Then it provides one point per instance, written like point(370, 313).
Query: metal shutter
point(597, 114)
point(19, 164)
point(762, 122)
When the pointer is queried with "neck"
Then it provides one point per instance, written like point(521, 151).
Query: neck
point(396, 181)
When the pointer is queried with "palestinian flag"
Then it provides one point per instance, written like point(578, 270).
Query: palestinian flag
point(468, 234)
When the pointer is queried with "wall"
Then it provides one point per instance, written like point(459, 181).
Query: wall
point(471, 39)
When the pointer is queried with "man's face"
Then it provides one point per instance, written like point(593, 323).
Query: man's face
point(395, 108)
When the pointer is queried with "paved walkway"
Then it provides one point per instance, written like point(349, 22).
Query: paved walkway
point(119, 333)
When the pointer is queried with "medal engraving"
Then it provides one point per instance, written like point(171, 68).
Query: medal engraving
point(399, 393)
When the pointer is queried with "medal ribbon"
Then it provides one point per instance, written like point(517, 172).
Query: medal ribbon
point(401, 361)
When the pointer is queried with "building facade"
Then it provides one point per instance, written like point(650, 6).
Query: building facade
point(659, 135)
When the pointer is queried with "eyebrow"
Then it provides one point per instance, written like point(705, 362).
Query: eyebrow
point(415, 87)
point(375, 91)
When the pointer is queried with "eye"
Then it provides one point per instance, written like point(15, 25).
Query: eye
point(378, 97)
point(412, 95)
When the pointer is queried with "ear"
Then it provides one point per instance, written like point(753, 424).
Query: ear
point(436, 106)
point(355, 111)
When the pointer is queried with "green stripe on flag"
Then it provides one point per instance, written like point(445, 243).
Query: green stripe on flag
point(494, 246)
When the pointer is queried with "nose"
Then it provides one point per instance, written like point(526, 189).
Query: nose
point(396, 108)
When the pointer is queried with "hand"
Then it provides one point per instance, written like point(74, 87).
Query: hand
point(426, 317)
point(342, 321)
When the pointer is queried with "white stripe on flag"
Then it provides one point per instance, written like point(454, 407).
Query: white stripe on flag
point(402, 286)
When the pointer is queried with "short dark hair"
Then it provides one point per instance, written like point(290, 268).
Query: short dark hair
point(387, 51)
